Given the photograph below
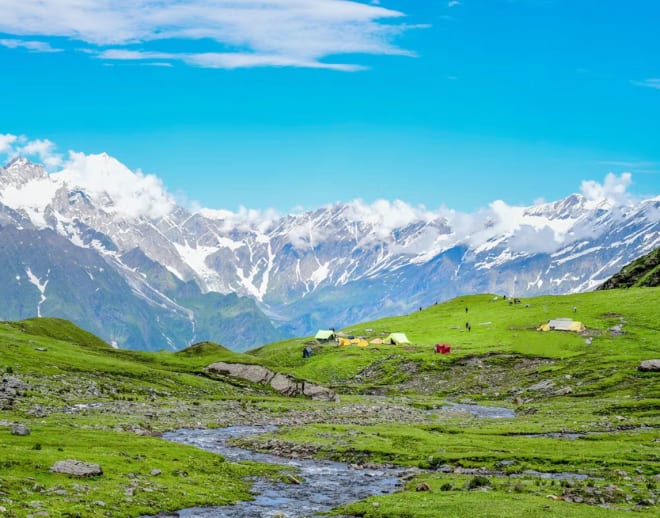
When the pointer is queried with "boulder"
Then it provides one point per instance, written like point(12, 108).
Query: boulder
point(319, 393)
point(253, 373)
point(650, 365)
point(76, 468)
point(282, 383)
point(285, 385)
point(19, 429)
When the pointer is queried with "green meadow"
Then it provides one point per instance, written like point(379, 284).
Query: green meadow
point(581, 407)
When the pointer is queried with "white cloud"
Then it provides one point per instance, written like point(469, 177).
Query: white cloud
point(530, 239)
point(386, 216)
point(613, 189)
point(134, 194)
point(35, 46)
point(648, 83)
point(44, 149)
point(453, 3)
point(7, 141)
point(19, 145)
point(245, 220)
point(299, 33)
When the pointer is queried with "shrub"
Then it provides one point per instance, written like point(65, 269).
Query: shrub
point(478, 481)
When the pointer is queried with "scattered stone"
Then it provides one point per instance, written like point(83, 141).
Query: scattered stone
point(650, 365)
point(542, 386)
point(617, 330)
point(155, 472)
point(19, 429)
point(423, 487)
point(562, 391)
point(76, 468)
point(293, 480)
point(40, 349)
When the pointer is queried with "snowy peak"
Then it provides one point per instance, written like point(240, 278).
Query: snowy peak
point(21, 171)
point(339, 263)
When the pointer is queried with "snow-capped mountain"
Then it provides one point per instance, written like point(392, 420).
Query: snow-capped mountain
point(329, 267)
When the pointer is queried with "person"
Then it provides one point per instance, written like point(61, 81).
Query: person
point(307, 352)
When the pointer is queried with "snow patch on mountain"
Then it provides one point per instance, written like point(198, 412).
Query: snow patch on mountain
point(40, 285)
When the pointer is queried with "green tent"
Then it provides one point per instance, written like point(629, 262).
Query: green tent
point(397, 339)
point(325, 334)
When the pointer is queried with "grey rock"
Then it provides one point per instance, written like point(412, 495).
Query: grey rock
point(319, 393)
point(19, 429)
point(562, 391)
point(650, 365)
point(542, 386)
point(617, 330)
point(282, 383)
point(76, 468)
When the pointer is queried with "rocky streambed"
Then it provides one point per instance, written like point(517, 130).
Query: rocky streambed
point(313, 486)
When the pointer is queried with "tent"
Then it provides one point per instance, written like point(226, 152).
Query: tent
point(442, 348)
point(397, 339)
point(360, 342)
point(344, 341)
point(325, 335)
point(563, 324)
point(376, 341)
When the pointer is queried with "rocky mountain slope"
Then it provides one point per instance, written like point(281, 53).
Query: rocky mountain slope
point(171, 277)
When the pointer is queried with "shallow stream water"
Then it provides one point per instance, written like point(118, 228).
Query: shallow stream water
point(324, 484)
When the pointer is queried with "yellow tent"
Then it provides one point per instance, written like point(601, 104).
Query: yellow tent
point(361, 342)
point(344, 341)
point(397, 339)
point(563, 324)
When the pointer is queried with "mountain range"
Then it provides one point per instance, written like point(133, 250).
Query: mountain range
point(111, 250)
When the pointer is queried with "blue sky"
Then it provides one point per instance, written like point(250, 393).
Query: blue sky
point(298, 103)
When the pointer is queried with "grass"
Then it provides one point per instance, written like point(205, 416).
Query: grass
point(141, 475)
point(556, 382)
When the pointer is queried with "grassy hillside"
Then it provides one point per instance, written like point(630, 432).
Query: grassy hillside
point(642, 272)
point(581, 407)
point(581, 404)
point(84, 400)
point(502, 335)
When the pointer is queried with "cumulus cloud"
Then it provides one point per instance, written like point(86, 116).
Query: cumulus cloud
point(530, 239)
point(299, 33)
point(7, 141)
point(44, 150)
point(133, 194)
point(613, 189)
point(245, 220)
point(385, 216)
